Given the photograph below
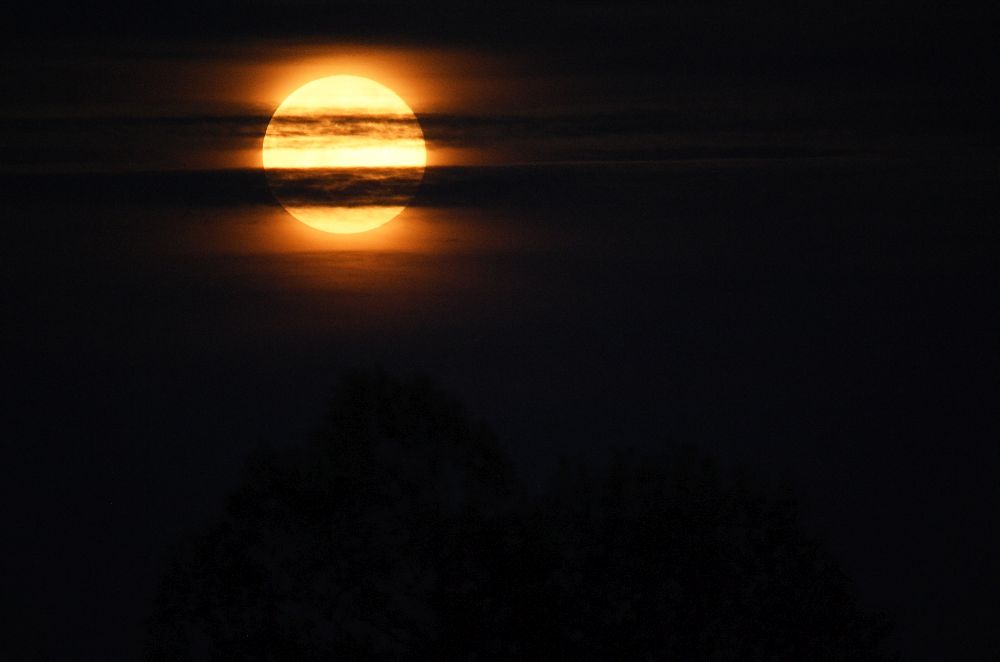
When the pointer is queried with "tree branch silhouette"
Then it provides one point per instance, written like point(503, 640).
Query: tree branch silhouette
point(400, 533)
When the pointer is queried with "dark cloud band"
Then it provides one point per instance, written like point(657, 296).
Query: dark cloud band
point(344, 187)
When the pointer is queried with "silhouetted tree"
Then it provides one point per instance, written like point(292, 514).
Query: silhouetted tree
point(344, 548)
point(399, 533)
point(668, 559)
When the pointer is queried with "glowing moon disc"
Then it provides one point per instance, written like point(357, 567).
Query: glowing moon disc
point(344, 154)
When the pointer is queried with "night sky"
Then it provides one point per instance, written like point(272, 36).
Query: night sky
point(768, 230)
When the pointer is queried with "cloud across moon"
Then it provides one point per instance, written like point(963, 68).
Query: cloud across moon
point(344, 154)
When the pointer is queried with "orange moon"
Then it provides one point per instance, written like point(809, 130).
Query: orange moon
point(344, 154)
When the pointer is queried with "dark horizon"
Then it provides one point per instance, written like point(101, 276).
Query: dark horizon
point(770, 234)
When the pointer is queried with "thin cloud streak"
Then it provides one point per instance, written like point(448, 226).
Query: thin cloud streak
point(197, 142)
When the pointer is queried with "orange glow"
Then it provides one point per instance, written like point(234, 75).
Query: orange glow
point(343, 154)
point(432, 81)
point(345, 220)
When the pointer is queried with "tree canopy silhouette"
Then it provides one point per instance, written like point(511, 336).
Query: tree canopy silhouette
point(400, 533)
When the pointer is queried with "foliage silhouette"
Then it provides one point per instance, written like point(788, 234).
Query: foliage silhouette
point(400, 533)
point(672, 560)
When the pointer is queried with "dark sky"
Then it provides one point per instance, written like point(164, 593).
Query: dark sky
point(769, 231)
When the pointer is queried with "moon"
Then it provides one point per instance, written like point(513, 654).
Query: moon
point(344, 154)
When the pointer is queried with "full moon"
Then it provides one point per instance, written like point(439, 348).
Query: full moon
point(344, 154)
